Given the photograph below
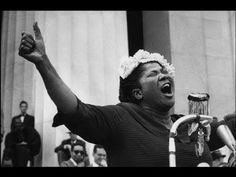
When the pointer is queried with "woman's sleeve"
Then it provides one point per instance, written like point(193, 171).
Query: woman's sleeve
point(95, 124)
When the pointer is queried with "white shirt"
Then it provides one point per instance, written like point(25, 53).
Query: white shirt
point(22, 118)
point(94, 164)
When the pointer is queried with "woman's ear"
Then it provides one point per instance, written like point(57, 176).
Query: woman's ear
point(137, 94)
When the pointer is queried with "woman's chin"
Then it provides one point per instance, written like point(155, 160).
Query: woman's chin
point(168, 104)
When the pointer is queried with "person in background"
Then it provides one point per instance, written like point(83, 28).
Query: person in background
point(218, 159)
point(79, 157)
point(21, 145)
point(230, 120)
point(26, 119)
point(64, 149)
point(100, 156)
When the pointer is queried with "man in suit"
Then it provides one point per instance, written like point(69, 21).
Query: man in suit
point(25, 118)
point(64, 149)
point(100, 156)
point(78, 157)
point(21, 145)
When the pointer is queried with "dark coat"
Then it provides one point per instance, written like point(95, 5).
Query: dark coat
point(28, 121)
point(69, 163)
point(18, 152)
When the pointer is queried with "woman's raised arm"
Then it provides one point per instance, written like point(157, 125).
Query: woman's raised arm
point(34, 51)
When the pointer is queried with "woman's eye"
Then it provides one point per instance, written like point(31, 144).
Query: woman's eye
point(153, 73)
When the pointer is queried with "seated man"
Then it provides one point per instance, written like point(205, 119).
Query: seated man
point(100, 156)
point(63, 150)
point(21, 145)
point(78, 157)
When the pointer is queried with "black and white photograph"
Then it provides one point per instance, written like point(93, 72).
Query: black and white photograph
point(118, 88)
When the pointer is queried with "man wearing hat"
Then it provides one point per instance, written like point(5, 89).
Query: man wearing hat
point(64, 149)
point(78, 155)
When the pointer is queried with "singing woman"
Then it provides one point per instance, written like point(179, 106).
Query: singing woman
point(135, 131)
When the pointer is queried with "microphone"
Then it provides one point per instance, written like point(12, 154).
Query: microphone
point(226, 136)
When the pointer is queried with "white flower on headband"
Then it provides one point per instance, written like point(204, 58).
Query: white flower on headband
point(128, 64)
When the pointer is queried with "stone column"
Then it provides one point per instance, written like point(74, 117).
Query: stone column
point(203, 53)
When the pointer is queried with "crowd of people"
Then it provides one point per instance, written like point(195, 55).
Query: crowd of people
point(72, 153)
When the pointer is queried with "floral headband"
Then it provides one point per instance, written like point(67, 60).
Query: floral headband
point(128, 64)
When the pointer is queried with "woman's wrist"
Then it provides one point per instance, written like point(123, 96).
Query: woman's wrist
point(42, 62)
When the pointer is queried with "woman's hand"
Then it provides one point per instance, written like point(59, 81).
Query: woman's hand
point(32, 49)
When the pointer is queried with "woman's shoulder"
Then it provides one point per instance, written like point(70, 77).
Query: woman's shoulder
point(127, 105)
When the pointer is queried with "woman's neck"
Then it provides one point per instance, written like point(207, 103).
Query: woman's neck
point(163, 116)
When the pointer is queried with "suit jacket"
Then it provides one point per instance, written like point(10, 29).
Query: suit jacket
point(69, 163)
point(16, 152)
point(28, 121)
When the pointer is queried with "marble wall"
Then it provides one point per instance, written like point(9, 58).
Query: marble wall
point(203, 53)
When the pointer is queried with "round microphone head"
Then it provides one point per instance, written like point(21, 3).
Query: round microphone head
point(198, 97)
point(198, 103)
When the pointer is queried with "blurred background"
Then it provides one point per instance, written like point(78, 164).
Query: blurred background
point(85, 47)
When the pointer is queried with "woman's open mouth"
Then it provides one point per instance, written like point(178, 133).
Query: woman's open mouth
point(166, 89)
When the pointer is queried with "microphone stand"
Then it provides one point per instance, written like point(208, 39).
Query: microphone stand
point(173, 133)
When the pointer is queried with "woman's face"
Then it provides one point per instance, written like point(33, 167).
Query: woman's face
point(157, 87)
